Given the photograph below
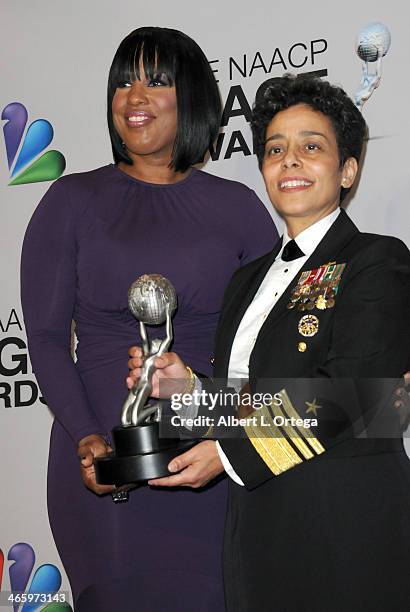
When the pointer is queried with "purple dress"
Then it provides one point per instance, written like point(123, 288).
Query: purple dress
point(91, 236)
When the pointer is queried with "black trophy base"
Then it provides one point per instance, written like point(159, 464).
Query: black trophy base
point(139, 455)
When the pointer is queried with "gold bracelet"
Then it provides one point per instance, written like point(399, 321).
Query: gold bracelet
point(190, 383)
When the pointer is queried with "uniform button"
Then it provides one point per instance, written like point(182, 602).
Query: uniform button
point(276, 294)
point(302, 346)
point(286, 270)
point(212, 360)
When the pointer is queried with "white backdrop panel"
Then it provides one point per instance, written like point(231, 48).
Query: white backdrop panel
point(56, 59)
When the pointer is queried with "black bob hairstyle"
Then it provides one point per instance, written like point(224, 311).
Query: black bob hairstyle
point(282, 93)
point(171, 53)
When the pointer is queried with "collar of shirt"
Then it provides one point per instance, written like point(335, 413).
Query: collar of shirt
point(312, 235)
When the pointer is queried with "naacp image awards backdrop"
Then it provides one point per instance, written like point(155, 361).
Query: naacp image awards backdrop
point(56, 57)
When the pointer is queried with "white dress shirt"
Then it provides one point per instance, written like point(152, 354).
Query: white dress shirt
point(275, 283)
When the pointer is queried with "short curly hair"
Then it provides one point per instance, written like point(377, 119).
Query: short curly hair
point(282, 93)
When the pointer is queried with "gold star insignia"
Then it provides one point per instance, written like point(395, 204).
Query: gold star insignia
point(312, 407)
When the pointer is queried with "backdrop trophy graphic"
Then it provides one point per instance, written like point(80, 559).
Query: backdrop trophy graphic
point(372, 45)
point(139, 452)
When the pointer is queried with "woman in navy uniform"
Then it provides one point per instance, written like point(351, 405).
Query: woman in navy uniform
point(317, 517)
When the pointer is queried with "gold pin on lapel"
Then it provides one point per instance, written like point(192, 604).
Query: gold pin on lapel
point(308, 326)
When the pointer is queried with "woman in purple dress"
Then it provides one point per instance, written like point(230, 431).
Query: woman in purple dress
point(91, 236)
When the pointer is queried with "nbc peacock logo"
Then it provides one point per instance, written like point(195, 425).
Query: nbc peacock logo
point(24, 147)
point(42, 593)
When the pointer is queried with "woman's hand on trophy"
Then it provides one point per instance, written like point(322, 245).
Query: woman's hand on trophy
point(196, 467)
point(170, 376)
point(136, 357)
point(88, 448)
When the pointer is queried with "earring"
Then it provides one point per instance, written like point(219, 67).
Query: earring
point(124, 146)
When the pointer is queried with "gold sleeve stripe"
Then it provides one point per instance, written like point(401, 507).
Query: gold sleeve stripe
point(305, 432)
point(292, 434)
point(273, 457)
point(273, 448)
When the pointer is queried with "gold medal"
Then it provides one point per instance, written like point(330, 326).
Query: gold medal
point(321, 302)
point(308, 325)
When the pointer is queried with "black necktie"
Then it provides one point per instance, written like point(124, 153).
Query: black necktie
point(291, 251)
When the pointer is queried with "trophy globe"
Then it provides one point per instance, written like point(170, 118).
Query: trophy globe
point(373, 42)
point(149, 298)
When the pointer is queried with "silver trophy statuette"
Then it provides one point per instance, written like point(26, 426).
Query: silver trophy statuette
point(372, 45)
point(140, 452)
point(152, 300)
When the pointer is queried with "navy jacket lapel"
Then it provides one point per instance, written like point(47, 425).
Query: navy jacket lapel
point(240, 294)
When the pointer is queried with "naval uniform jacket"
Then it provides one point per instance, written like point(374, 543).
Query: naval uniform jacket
point(322, 525)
